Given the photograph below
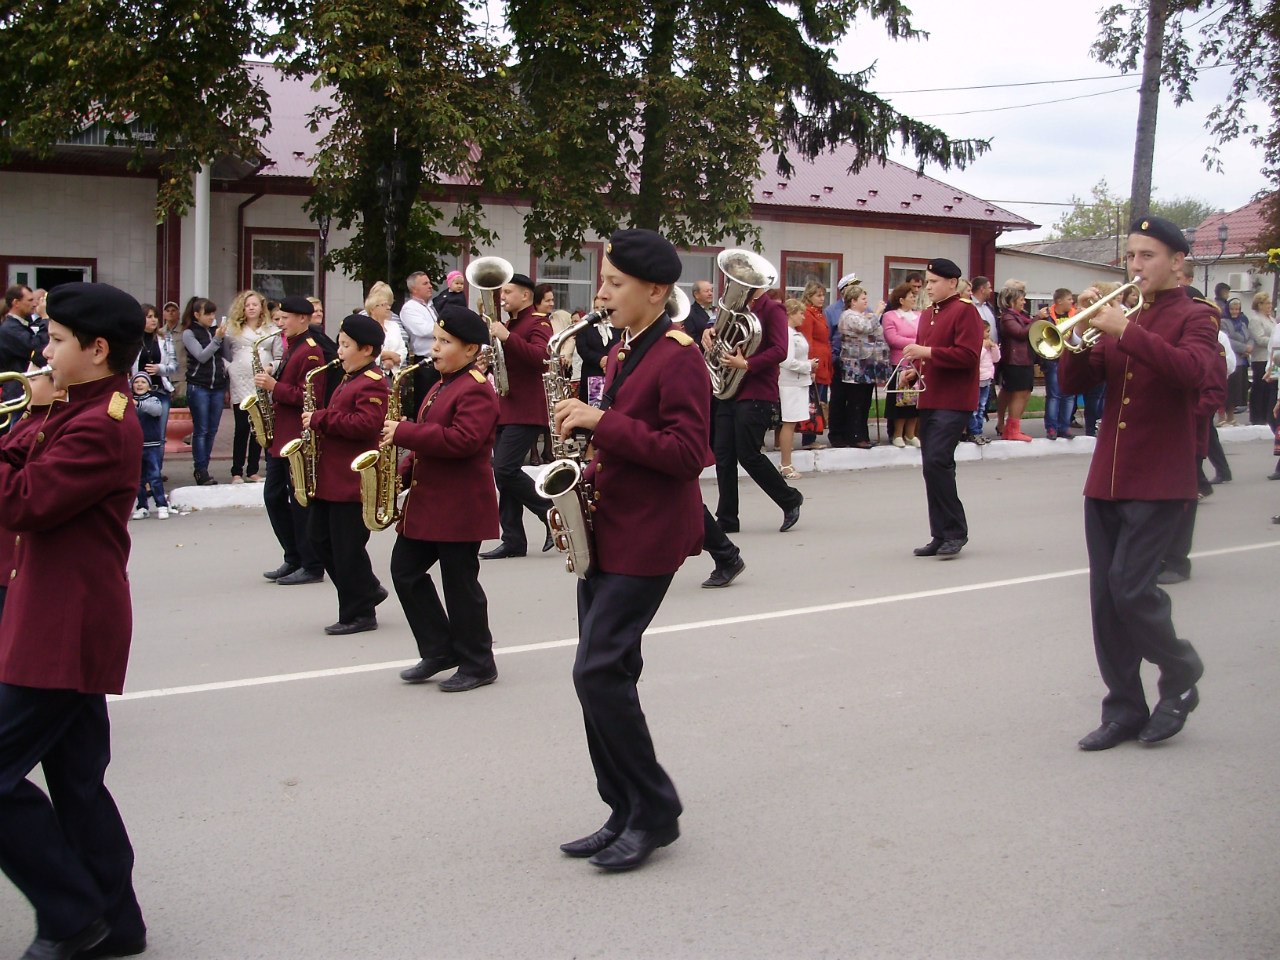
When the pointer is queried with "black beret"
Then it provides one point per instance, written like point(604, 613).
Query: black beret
point(463, 324)
point(1166, 231)
point(297, 304)
point(944, 268)
point(520, 280)
point(97, 309)
point(644, 255)
point(365, 331)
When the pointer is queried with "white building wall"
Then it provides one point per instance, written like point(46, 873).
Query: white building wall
point(1043, 275)
point(111, 219)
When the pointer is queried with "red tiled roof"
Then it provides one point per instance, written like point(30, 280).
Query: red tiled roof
point(1244, 226)
point(821, 184)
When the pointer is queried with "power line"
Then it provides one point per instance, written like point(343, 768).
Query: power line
point(1022, 106)
point(1026, 83)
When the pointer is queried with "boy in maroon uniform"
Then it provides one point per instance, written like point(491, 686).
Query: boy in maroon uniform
point(1141, 479)
point(452, 506)
point(650, 437)
point(348, 425)
point(66, 490)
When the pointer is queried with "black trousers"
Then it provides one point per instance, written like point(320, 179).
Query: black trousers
point(288, 517)
point(1178, 557)
point(1132, 616)
point(740, 430)
point(339, 537)
point(859, 407)
point(613, 612)
point(515, 487)
point(721, 548)
point(940, 432)
point(1217, 456)
point(1262, 395)
point(243, 444)
point(462, 634)
point(839, 414)
point(68, 852)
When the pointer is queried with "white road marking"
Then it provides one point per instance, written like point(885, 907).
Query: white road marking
point(670, 628)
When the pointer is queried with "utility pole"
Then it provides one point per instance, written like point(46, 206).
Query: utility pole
point(1144, 147)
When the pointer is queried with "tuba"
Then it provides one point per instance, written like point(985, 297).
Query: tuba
point(12, 408)
point(488, 274)
point(1049, 340)
point(303, 452)
point(379, 469)
point(736, 327)
point(258, 404)
point(561, 481)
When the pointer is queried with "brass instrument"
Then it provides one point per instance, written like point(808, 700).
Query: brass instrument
point(1049, 340)
point(488, 274)
point(303, 452)
point(379, 468)
point(258, 404)
point(561, 481)
point(12, 408)
point(678, 305)
point(736, 327)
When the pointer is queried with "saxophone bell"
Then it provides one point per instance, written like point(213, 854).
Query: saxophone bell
point(379, 468)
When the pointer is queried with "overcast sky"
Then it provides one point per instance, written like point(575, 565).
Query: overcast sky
point(1053, 151)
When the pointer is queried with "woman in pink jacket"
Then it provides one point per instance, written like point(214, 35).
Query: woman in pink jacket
point(899, 323)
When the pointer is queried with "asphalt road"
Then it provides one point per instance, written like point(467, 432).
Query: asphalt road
point(876, 753)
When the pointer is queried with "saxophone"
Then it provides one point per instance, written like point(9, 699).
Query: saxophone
point(378, 469)
point(561, 481)
point(258, 404)
point(303, 452)
point(736, 327)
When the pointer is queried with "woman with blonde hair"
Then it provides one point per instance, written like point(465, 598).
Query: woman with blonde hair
point(247, 322)
point(378, 305)
point(1262, 323)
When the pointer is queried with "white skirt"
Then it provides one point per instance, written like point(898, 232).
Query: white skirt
point(795, 403)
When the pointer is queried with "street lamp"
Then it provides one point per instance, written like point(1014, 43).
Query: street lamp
point(1222, 250)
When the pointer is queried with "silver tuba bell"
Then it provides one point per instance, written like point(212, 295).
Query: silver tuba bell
point(736, 327)
point(488, 274)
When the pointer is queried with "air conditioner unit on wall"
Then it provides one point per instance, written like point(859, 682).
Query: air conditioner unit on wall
point(1240, 281)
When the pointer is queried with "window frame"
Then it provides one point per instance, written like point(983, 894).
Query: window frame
point(589, 249)
point(251, 234)
point(907, 264)
point(837, 269)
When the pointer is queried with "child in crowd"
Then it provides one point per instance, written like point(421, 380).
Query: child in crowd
point(795, 374)
point(987, 361)
point(151, 414)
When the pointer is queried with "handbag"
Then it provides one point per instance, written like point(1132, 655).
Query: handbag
point(817, 422)
point(907, 396)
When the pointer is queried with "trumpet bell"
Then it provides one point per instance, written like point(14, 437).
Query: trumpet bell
point(1046, 340)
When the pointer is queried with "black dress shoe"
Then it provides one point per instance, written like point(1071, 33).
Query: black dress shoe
point(589, 846)
point(501, 552)
point(281, 571)
point(90, 936)
point(723, 576)
point(1274, 475)
point(115, 946)
point(930, 549)
point(424, 670)
point(728, 526)
point(380, 595)
point(1169, 716)
point(1220, 479)
point(950, 549)
point(549, 543)
point(633, 848)
point(358, 625)
point(791, 517)
point(1166, 577)
point(461, 682)
point(1107, 736)
point(301, 575)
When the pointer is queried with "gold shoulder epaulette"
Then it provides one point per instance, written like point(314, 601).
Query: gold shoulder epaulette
point(480, 377)
point(311, 342)
point(537, 314)
point(118, 405)
point(373, 375)
point(966, 300)
point(680, 337)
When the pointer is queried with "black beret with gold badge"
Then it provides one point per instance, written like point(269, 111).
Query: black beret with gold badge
point(297, 304)
point(98, 310)
point(645, 255)
point(365, 331)
point(944, 268)
point(520, 280)
point(463, 324)
point(1166, 231)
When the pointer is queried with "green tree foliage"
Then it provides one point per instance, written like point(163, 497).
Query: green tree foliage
point(1244, 34)
point(173, 67)
point(661, 113)
point(1104, 214)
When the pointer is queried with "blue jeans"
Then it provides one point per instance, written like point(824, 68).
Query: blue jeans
point(1057, 408)
point(152, 461)
point(1093, 401)
point(979, 415)
point(206, 412)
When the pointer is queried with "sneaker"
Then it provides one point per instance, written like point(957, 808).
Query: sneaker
point(237, 479)
point(141, 514)
point(899, 442)
point(162, 513)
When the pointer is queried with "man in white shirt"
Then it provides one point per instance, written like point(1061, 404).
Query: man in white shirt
point(418, 318)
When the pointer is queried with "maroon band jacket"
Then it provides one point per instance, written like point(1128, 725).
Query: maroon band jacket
point(1154, 373)
point(651, 446)
point(32, 419)
point(526, 354)
point(761, 379)
point(350, 423)
point(286, 398)
point(67, 485)
point(952, 328)
point(452, 497)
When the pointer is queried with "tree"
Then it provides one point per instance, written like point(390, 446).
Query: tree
point(173, 68)
point(1106, 215)
point(1242, 34)
point(659, 113)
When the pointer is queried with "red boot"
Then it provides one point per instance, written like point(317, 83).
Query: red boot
point(1013, 431)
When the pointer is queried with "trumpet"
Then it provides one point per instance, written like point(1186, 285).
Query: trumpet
point(12, 408)
point(488, 274)
point(1049, 340)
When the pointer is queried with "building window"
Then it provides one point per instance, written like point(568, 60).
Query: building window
point(896, 270)
point(801, 269)
point(698, 265)
point(49, 272)
point(283, 266)
point(574, 281)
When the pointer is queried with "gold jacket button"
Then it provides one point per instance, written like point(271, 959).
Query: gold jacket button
point(40, 437)
point(597, 495)
point(1128, 376)
point(1125, 400)
point(1122, 425)
point(17, 539)
point(12, 574)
